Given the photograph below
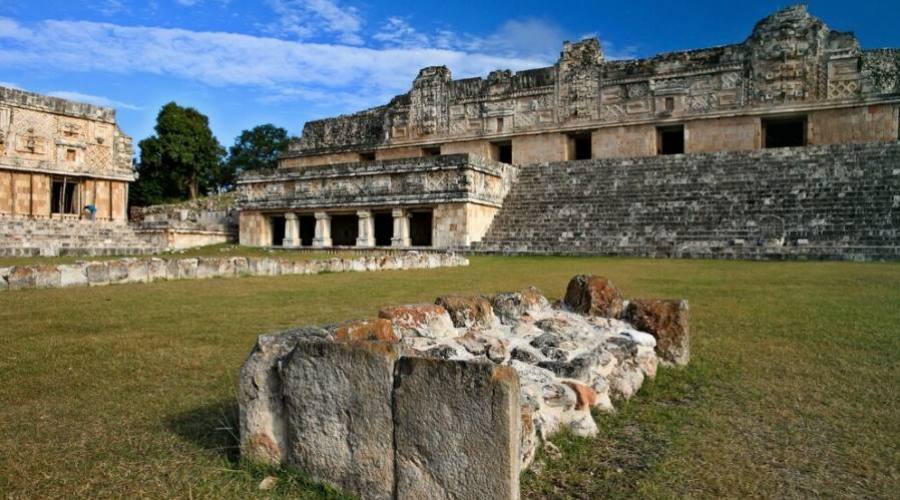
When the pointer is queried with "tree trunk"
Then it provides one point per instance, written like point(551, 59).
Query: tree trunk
point(194, 187)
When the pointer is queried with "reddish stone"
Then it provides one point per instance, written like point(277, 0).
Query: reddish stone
point(375, 329)
point(667, 321)
point(594, 296)
point(419, 320)
point(587, 397)
point(468, 310)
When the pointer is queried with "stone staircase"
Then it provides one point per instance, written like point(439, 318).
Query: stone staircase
point(23, 236)
point(839, 201)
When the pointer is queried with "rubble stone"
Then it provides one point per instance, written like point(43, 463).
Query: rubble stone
point(468, 311)
point(668, 322)
point(420, 320)
point(594, 296)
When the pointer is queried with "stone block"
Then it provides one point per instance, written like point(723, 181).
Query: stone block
point(456, 429)
point(117, 271)
point(594, 296)
point(354, 331)
point(420, 320)
point(211, 267)
point(157, 269)
point(668, 322)
point(71, 275)
point(21, 277)
point(339, 418)
point(510, 307)
point(263, 266)
point(260, 400)
point(46, 276)
point(138, 270)
point(241, 266)
point(97, 273)
point(468, 311)
point(181, 269)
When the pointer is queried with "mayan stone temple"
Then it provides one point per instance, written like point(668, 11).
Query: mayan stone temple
point(782, 145)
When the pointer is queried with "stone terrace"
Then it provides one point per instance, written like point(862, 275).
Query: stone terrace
point(25, 236)
point(816, 202)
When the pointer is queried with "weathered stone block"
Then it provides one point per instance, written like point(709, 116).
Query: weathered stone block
point(420, 320)
point(510, 307)
point(354, 331)
point(46, 276)
point(594, 296)
point(157, 269)
point(240, 265)
point(668, 322)
point(180, 269)
point(71, 275)
point(457, 430)
point(468, 311)
point(4, 276)
point(21, 277)
point(263, 267)
point(97, 273)
point(117, 271)
point(339, 417)
point(260, 399)
point(138, 270)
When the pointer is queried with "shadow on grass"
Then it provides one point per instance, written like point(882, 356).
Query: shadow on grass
point(211, 427)
point(215, 427)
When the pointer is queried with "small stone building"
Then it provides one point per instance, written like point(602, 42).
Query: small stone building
point(436, 161)
point(56, 156)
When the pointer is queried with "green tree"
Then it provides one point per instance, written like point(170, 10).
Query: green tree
point(258, 148)
point(182, 160)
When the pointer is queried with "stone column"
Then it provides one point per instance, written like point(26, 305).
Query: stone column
point(323, 230)
point(401, 228)
point(366, 237)
point(291, 231)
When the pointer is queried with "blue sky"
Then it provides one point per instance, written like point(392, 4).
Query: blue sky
point(245, 63)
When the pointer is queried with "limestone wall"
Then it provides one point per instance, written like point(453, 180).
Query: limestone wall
point(723, 134)
point(146, 270)
point(791, 62)
point(206, 221)
point(854, 125)
point(834, 202)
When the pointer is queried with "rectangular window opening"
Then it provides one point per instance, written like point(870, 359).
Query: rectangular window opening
point(63, 194)
point(670, 140)
point(344, 230)
point(277, 224)
point(784, 132)
point(431, 151)
point(70, 155)
point(367, 156)
point(384, 228)
point(580, 147)
point(307, 230)
point(502, 152)
point(420, 224)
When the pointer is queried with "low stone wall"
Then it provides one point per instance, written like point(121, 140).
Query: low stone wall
point(207, 221)
point(451, 399)
point(147, 270)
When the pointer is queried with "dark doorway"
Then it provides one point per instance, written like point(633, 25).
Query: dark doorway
point(344, 230)
point(581, 146)
point(431, 151)
point(420, 229)
point(63, 200)
point(502, 152)
point(277, 223)
point(367, 156)
point(670, 140)
point(784, 132)
point(307, 230)
point(384, 229)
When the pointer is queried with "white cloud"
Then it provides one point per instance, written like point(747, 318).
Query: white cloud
point(109, 7)
point(278, 67)
point(91, 99)
point(305, 19)
point(396, 32)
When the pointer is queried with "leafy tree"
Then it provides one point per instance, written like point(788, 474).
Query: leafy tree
point(182, 160)
point(258, 148)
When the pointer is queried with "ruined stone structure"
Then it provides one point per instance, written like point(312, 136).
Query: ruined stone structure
point(451, 399)
point(56, 157)
point(793, 83)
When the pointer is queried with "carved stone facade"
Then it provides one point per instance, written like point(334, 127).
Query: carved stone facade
point(57, 156)
point(792, 82)
point(791, 63)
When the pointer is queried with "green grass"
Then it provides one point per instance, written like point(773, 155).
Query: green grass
point(792, 392)
point(222, 250)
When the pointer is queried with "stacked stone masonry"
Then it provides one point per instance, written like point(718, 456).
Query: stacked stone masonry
point(826, 202)
point(792, 64)
point(451, 399)
point(57, 156)
point(147, 270)
point(29, 236)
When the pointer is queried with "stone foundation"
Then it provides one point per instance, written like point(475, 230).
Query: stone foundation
point(451, 399)
point(147, 270)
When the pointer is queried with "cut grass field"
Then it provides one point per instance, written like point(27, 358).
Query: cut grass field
point(127, 391)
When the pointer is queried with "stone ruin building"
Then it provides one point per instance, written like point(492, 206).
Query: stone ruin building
point(56, 157)
point(785, 143)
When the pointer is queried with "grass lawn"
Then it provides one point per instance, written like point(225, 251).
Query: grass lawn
point(223, 250)
point(127, 391)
